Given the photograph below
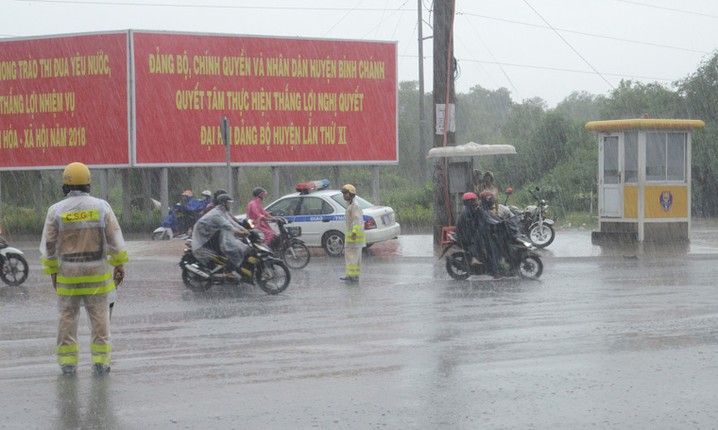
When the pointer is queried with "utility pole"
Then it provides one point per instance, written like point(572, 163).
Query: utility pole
point(422, 116)
point(443, 109)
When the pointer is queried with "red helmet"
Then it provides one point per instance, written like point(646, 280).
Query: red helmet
point(469, 196)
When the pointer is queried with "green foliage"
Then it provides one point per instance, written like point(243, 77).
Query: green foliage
point(21, 221)
point(413, 206)
point(138, 223)
point(633, 99)
point(701, 93)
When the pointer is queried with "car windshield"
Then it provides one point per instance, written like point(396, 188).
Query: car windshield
point(364, 204)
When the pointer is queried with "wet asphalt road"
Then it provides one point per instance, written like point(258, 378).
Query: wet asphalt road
point(605, 340)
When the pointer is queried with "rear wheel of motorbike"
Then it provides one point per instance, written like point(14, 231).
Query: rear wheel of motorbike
point(541, 235)
point(195, 282)
point(457, 266)
point(272, 276)
point(296, 255)
point(14, 269)
point(531, 267)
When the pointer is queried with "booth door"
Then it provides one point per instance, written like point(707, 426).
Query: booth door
point(610, 177)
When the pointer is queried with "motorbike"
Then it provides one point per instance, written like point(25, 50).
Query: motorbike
point(532, 221)
point(269, 273)
point(177, 224)
point(287, 244)
point(13, 266)
point(518, 258)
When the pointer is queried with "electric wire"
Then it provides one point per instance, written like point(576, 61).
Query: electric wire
point(428, 5)
point(585, 60)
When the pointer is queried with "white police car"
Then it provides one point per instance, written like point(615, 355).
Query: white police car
point(319, 212)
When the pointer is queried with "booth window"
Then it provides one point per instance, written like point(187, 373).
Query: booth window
point(630, 156)
point(666, 156)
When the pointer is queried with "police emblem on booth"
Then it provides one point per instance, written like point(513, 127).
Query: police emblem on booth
point(666, 200)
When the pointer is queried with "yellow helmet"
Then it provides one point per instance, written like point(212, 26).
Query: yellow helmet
point(350, 189)
point(76, 174)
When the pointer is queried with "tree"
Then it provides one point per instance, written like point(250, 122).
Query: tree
point(634, 99)
point(700, 90)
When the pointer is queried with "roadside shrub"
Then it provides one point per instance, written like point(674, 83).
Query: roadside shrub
point(21, 221)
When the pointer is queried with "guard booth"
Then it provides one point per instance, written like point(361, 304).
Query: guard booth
point(644, 180)
point(460, 171)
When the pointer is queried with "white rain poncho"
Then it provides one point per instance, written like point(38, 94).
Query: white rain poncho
point(218, 220)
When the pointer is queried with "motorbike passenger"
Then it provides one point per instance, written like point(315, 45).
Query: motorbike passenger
point(489, 228)
point(213, 203)
point(218, 229)
point(488, 184)
point(467, 227)
point(198, 205)
point(256, 212)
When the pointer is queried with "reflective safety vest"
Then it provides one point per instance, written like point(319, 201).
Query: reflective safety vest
point(81, 242)
point(358, 234)
point(355, 226)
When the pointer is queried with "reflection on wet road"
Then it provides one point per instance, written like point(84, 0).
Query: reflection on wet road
point(608, 342)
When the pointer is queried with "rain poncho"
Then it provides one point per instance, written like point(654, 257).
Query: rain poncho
point(258, 215)
point(354, 239)
point(218, 221)
point(81, 241)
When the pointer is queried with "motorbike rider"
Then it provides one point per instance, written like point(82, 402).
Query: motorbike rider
point(218, 229)
point(256, 212)
point(182, 217)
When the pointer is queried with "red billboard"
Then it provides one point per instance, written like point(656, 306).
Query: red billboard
point(286, 100)
point(64, 99)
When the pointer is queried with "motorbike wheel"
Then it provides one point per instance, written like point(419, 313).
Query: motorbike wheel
point(195, 282)
point(160, 236)
point(272, 276)
point(541, 235)
point(296, 255)
point(531, 266)
point(457, 266)
point(14, 269)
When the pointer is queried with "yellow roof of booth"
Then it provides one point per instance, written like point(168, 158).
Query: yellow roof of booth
point(644, 124)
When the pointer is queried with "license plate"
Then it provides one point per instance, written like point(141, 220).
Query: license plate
point(386, 219)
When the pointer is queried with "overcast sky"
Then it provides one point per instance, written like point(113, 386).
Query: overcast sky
point(534, 48)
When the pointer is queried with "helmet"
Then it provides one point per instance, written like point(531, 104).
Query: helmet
point(469, 196)
point(187, 193)
point(350, 189)
point(224, 198)
point(76, 174)
point(258, 191)
point(207, 193)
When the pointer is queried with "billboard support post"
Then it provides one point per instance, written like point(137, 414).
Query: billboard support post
point(224, 129)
